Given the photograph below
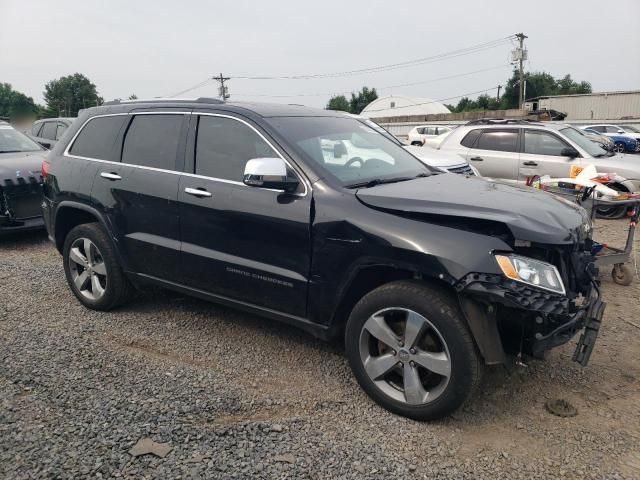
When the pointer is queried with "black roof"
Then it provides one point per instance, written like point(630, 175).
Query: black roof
point(259, 108)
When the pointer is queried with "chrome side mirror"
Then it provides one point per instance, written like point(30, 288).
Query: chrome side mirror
point(269, 173)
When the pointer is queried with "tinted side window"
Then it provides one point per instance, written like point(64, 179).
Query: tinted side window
point(224, 146)
point(498, 140)
point(60, 130)
point(49, 130)
point(152, 141)
point(96, 138)
point(542, 143)
point(470, 138)
point(35, 130)
point(598, 129)
point(612, 129)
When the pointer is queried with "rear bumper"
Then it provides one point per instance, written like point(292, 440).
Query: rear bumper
point(527, 320)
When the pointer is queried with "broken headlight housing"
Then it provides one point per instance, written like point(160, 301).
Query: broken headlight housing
point(532, 272)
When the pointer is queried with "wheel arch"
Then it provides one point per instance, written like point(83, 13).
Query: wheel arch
point(70, 214)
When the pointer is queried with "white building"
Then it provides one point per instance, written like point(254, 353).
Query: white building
point(400, 106)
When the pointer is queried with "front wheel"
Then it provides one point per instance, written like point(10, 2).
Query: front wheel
point(92, 269)
point(619, 147)
point(411, 351)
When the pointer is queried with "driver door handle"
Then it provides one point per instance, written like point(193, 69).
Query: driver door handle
point(110, 176)
point(530, 164)
point(476, 159)
point(197, 192)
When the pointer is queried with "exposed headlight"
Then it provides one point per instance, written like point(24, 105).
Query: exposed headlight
point(532, 272)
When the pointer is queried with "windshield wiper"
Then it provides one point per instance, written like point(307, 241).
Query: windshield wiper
point(380, 181)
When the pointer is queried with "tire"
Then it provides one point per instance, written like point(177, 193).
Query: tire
point(613, 213)
point(445, 337)
point(417, 144)
point(622, 274)
point(619, 147)
point(92, 269)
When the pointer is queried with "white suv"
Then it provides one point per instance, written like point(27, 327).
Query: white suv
point(418, 135)
point(517, 151)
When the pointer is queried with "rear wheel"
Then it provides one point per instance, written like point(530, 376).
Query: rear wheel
point(411, 351)
point(92, 269)
point(622, 274)
point(619, 147)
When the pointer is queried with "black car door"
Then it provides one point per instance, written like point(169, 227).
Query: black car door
point(138, 195)
point(246, 243)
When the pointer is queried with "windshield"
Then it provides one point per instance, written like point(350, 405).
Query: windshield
point(348, 150)
point(13, 141)
point(630, 129)
point(583, 142)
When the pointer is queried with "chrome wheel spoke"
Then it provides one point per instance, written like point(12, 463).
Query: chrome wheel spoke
point(88, 251)
point(100, 268)
point(436, 362)
point(77, 256)
point(414, 327)
point(377, 367)
point(81, 280)
point(378, 328)
point(414, 392)
point(96, 287)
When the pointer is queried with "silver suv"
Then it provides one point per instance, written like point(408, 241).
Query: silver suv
point(518, 150)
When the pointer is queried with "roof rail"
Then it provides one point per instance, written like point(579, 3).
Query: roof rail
point(171, 100)
point(502, 121)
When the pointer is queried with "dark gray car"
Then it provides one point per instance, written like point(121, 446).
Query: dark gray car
point(48, 131)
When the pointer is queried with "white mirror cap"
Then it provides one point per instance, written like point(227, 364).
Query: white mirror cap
point(266, 167)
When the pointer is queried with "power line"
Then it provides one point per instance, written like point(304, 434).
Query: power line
point(381, 68)
point(198, 85)
point(421, 82)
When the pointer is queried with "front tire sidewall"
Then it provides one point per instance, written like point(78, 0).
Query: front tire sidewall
point(446, 318)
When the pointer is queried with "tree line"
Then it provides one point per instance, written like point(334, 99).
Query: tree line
point(63, 97)
point(538, 84)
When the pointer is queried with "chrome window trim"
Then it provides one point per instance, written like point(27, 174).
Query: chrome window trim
point(303, 179)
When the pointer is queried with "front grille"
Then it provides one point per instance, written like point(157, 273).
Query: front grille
point(22, 197)
point(462, 169)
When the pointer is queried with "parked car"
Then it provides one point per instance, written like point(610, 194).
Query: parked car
point(20, 181)
point(517, 151)
point(599, 139)
point(418, 135)
point(430, 157)
point(47, 132)
point(625, 139)
point(426, 276)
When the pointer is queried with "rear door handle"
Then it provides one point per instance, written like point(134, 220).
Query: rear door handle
point(197, 192)
point(530, 164)
point(477, 159)
point(110, 176)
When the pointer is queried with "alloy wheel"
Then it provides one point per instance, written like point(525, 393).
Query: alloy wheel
point(405, 355)
point(88, 270)
point(619, 148)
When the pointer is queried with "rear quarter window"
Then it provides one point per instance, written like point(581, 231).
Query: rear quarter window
point(470, 138)
point(96, 139)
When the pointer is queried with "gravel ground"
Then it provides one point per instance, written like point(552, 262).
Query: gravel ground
point(236, 396)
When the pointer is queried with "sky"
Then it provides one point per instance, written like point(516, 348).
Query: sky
point(159, 48)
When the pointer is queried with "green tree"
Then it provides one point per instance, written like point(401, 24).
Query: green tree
point(132, 97)
point(362, 99)
point(65, 96)
point(338, 102)
point(16, 105)
point(540, 84)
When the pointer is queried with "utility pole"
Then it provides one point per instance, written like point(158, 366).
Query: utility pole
point(498, 96)
point(521, 56)
point(223, 91)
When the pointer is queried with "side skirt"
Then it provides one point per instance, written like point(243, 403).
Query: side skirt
point(322, 332)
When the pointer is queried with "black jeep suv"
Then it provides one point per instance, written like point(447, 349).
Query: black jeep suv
point(427, 275)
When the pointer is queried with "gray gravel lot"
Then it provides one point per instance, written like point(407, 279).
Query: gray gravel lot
point(237, 396)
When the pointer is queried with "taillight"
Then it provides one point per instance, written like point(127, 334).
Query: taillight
point(45, 169)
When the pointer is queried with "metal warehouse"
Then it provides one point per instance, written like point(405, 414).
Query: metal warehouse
point(591, 106)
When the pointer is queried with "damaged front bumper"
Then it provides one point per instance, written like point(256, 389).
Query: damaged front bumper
point(509, 317)
point(20, 204)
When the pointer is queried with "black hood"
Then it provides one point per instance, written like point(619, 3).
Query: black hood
point(528, 213)
point(24, 165)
